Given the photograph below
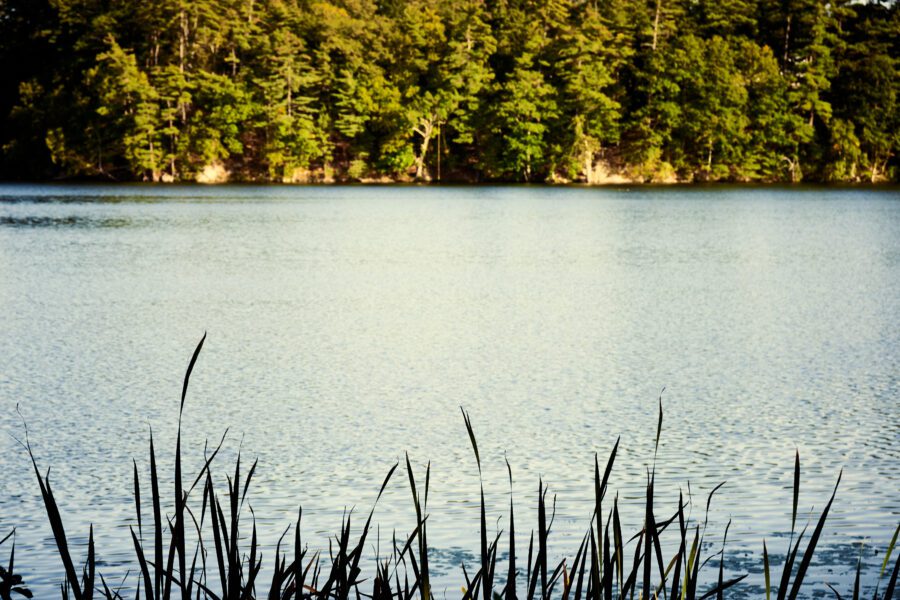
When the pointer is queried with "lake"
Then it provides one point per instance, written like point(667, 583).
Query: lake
point(347, 325)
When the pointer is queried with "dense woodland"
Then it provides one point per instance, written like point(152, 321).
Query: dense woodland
point(451, 90)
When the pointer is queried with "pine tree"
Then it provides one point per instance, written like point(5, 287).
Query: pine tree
point(586, 63)
point(524, 102)
point(867, 98)
point(131, 106)
point(654, 109)
point(287, 83)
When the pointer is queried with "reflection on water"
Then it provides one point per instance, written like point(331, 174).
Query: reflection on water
point(347, 325)
point(63, 221)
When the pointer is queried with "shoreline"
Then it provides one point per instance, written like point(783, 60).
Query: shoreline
point(377, 183)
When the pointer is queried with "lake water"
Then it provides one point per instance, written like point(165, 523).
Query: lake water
point(347, 325)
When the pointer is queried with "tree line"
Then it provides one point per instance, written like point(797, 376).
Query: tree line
point(452, 90)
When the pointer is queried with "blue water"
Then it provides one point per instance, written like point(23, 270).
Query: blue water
point(347, 325)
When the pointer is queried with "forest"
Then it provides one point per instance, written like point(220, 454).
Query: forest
point(590, 91)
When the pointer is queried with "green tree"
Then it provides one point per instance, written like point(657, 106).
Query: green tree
point(444, 71)
point(526, 107)
point(130, 104)
point(867, 97)
point(287, 82)
point(587, 64)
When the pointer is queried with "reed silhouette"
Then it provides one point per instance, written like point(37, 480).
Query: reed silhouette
point(219, 563)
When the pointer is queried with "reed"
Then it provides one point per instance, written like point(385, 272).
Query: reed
point(204, 552)
point(10, 582)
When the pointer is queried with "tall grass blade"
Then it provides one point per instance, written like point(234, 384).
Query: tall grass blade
point(145, 569)
point(218, 521)
point(299, 554)
point(649, 529)
point(89, 572)
point(719, 593)
point(682, 549)
point(710, 497)
point(658, 430)
point(807, 556)
point(892, 584)
point(178, 534)
point(789, 566)
point(156, 589)
point(187, 375)
point(137, 499)
point(693, 566)
point(569, 577)
point(581, 568)
point(511, 573)
point(600, 485)
point(599, 494)
point(362, 539)
point(620, 548)
point(471, 437)
point(608, 563)
point(718, 589)
point(890, 549)
point(485, 558)
point(796, 489)
point(247, 481)
point(595, 581)
point(10, 581)
point(56, 525)
point(630, 581)
point(542, 537)
point(532, 573)
point(423, 575)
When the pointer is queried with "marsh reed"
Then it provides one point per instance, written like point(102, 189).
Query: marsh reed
point(205, 552)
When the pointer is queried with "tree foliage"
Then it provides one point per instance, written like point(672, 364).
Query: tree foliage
point(474, 90)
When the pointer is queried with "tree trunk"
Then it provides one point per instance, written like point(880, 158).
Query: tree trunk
point(154, 173)
point(656, 23)
point(792, 167)
point(290, 100)
point(182, 57)
point(588, 157)
point(426, 130)
point(173, 142)
point(182, 39)
point(787, 43)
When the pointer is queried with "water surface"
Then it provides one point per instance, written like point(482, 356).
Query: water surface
point(347, 325)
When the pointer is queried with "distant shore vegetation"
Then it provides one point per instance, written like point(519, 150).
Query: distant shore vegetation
point(591, 91)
